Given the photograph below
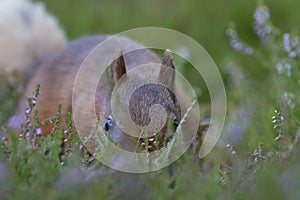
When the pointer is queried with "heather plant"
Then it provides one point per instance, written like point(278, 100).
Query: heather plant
point(279, 55)
point(267, 103)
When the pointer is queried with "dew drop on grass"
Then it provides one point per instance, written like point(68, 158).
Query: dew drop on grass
point(33, 102)
point(150, 147)
point(156, 143)
point(277, 138)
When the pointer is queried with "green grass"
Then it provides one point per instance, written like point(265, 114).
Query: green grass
point(263, 105)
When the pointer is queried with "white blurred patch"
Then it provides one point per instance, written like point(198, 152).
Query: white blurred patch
point(27, 34)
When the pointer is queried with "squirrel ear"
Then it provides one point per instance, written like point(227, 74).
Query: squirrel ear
point(117, 66)
point(167, 71)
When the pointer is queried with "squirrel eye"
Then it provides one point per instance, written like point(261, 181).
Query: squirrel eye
point(108, 124)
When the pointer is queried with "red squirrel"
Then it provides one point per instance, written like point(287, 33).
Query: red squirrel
point(56, 77)
point(54, 68)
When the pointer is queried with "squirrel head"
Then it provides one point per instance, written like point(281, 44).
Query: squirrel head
point(141, 102)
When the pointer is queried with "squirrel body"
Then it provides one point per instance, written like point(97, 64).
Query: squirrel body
point(56, 77)
point(54, 65)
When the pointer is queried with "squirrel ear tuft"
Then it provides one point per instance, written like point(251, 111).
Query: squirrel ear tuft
point(117, 66)
point(167, 71)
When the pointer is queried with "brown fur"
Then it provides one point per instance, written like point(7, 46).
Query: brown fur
point(56, 77)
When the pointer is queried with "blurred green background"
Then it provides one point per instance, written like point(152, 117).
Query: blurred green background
point(203, 20)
